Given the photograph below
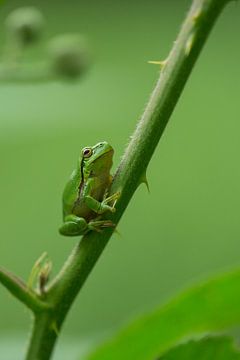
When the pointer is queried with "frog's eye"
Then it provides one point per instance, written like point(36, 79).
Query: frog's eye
point(87, 152)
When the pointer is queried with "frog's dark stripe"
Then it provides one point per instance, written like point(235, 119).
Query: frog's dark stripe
point(81, 167)
point(82, 179)
point(80, 186)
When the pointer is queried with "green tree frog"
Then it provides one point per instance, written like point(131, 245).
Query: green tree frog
point(85, 195)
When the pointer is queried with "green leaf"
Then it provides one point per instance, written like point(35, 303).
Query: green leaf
point(217, 348)
point(212, 306)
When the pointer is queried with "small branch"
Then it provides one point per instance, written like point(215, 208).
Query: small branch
point(19, 289)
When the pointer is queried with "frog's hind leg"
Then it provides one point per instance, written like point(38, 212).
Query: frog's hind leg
point(73, 226)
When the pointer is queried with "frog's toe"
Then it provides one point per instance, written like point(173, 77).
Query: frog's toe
point(99, 225)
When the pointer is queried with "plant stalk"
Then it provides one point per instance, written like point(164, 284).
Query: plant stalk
point(131, 171)
point(43, 337)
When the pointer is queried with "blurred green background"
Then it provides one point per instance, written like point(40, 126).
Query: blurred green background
point(187, 228)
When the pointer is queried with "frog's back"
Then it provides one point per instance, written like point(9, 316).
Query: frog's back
point(70, 193)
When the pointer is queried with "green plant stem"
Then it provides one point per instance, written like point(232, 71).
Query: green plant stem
point(19, 289)
point(131, 170)
point(44, 334)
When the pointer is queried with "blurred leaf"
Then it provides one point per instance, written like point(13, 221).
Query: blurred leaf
point(217, 348)
point(208, 307)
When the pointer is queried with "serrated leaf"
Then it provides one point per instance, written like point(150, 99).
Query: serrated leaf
point(209, 307)
point(208, 348)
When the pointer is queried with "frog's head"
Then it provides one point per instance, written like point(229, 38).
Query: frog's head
point(97, 159)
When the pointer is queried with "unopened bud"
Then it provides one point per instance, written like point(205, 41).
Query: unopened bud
point(69, 57)
point(44, 275)
point(25, 25)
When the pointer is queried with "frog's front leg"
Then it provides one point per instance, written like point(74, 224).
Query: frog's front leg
point(73, 226)
point(101, 207)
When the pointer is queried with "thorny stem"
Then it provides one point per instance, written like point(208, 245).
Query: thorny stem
point(175, 71)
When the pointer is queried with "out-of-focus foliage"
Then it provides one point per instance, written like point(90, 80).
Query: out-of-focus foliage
point(24, 25)
point(218, 348)
point(213, 306)
point(67, 56)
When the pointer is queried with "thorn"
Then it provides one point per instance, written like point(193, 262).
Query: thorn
point(117, 232)
point(161, 63)
point(54, 327)
point(189, 44)
point(197, 15)
point(144, 181)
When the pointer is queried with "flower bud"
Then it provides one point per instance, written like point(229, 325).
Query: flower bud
point(69, 57)
point(25, 24)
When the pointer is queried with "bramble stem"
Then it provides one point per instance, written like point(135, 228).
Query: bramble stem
point(44, 334)
point(131, 172)
point(23, 293)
